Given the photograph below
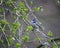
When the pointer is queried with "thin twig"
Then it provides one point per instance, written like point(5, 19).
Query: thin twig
point(5, 34)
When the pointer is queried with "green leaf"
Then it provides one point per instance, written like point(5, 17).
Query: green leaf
point(46, 46)
point(15, 27)
point(4, 22)
point(23, 13)
point(25, 9)
point(0, 28)
point(36, 9)
point(38, 38)
point(58, 42)
point(18, 45)
point(29, 28)
point(15, 17)
point(22, 8)
point(51, 39)
point(14, 1)
point(15, 9)
point(10, 40)
point(16, 24)
point(21, 4)
point(23, 17)
point(55, 46)
point(8, 4)
point(50, 33)
point(1, 9)
point(25, 38)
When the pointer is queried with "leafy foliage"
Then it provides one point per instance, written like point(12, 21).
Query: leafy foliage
point(15, 27)
point(10, 39)
point(29, 28)
point(18, 45)
point(36, 9)
point(15, 17)
point(55, 46)
point(23, 17)
point(1, 9)
point(14, 1)
point(22, 8)
point(38, 38)
point(0, 28)
point(8, 4)
point(51, 39)
point(25, 38)
point(58, 42)
point(4, 23)
point(50, 33)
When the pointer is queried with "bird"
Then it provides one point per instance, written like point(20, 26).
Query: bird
point(35, 24)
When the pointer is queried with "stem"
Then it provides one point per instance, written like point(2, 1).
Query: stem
point(5, 35)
